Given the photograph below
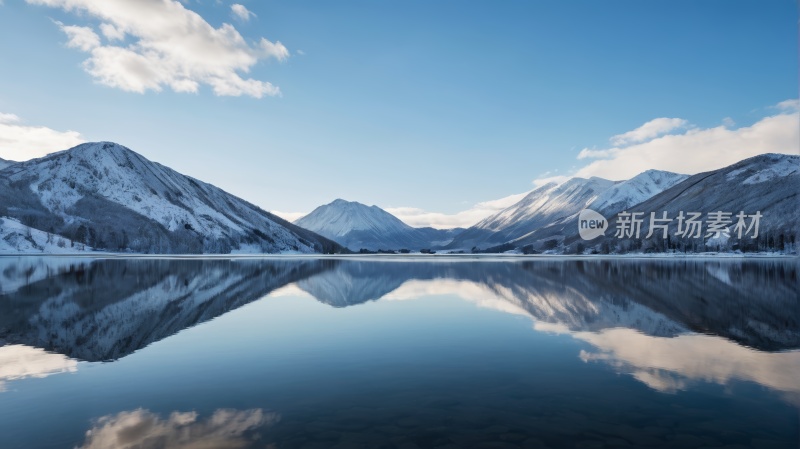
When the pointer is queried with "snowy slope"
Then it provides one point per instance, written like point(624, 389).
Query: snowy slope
point(16, 238)
point(108, 188)
point(540, 207)
point(357, 226)
point(635, 190)
point(6, 163)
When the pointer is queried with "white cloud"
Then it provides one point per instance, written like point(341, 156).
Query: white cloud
point(111, 32)
point(594, 154)
point(241, 13)
point(83, 38)
point(419, 218)
point(20, 143)
point(789, 105)
point(7, 119)
point(699, 150)
point(727, 121)
point(174, 47)
point(301, 52)
point(649, 130)
point(289, 216)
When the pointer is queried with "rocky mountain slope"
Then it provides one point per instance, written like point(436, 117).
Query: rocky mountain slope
point(106, 196)
point(357, 226)
point(540, 207)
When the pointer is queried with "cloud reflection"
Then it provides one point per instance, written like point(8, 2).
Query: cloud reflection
point(141, 429)
point(20, 362)
point(696, 357)
point(667, 364)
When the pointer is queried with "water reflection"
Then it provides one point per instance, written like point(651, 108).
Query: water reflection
point(681, 328)
point(98, 310)
point(141, 429)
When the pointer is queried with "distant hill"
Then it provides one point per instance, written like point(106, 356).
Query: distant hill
point(357, 226)
point(108, 197)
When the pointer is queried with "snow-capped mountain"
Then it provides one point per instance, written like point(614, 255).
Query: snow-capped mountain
point(621, 196)
point(540, 207)
point(357, 226)
point(107, 196)
point(768, 183)
point(5, 163)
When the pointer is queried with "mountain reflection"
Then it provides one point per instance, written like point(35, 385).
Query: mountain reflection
point(98, 310)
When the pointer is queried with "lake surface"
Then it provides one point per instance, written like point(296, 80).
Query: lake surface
point(398, 353)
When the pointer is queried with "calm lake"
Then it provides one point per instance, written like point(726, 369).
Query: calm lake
point(398, 353)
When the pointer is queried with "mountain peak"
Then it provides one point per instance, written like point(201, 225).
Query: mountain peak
point(641, 187)
point(357, 226)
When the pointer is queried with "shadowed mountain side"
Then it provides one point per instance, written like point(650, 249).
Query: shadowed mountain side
point(768, 183)
point(107, 309)
point(754, 302)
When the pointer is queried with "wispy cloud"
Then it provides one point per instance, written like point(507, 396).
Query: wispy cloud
point(7, 119)
point(172, 47)
point(301, 52)
point(649, 130)
point(420, 218)
point(789, 105)
point(241, 13)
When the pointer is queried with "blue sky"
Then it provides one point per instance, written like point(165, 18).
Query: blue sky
point(434, 106)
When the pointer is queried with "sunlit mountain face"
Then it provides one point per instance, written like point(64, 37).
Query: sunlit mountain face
point(464, 352)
